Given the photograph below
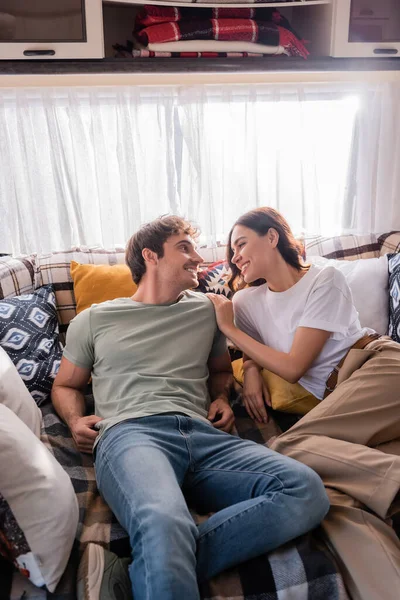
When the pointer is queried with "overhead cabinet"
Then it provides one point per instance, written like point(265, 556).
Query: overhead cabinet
point(366, 28)
point(32, 29)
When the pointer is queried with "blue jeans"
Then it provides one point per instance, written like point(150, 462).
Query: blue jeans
point(145, 467)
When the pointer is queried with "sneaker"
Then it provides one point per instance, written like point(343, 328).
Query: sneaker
point(103, 576)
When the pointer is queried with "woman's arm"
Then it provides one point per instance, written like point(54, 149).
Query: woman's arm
point(249, 363)
point(291, 366)
point(255, 394)
point(307, 344)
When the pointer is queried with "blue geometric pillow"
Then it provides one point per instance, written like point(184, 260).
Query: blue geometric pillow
point(394, 296)
point(29, 335)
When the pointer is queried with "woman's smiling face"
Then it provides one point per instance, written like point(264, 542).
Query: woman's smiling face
point(251, 252)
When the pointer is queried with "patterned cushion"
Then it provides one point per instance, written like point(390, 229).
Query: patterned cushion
point(55, 267)
point(16, 276)
point(394, 299)
point(215, 279)
point(29, 335)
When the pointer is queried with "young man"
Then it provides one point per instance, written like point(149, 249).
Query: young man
point(161, 375)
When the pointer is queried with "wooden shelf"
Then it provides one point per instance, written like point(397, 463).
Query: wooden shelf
point(200, 65)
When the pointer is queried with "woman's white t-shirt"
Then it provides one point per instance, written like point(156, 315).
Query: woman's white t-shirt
point(321, 299)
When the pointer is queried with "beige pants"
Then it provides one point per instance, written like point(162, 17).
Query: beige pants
point(352, 440)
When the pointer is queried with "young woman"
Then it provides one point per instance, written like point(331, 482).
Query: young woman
point(299, 322)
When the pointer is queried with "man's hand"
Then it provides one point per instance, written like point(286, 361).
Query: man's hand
point(221, 415)
point(83, 432)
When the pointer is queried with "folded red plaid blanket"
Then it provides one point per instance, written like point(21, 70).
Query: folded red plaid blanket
point(153, 15)
point(246, 30)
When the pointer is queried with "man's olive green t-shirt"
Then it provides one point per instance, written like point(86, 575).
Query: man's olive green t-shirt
point(146, 359)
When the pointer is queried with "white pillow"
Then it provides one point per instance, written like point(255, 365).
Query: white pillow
point(38, 503)
point(368, 281)
point(15, 395)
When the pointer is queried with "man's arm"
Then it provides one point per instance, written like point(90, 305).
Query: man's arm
point(69, 402)
point(219, 384)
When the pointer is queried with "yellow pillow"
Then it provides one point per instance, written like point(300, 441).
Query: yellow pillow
point(98, 283)
point(285, 396)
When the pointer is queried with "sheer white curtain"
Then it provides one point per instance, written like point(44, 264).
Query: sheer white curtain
point(287, 147)
point(83, 166)
point(89, 166)
point(374, 193)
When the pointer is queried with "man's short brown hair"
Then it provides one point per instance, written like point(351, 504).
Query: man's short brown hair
point(153, 236)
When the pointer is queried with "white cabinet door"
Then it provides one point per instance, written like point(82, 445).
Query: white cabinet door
point(366, 28)
point(51, 29)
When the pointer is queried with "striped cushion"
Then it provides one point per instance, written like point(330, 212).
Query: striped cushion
point(16, 276)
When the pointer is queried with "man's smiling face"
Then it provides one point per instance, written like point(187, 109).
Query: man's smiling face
point(180, 263)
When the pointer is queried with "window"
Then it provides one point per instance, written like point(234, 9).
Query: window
point(89, 166)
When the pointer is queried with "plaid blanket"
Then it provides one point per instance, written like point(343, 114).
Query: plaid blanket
point(160, 24)
point(302, 569)
point(153, 15)
point(246, 30)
